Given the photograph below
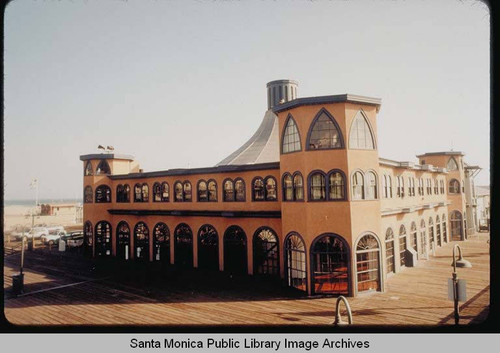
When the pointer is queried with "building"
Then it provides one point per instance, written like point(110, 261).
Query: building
point(307, 199)
point(482, 195)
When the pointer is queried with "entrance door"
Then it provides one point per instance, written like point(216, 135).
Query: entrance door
point(456, 226)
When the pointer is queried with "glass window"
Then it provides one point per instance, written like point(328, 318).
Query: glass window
point(258, 189)
point(202, 191)
point(183, 249)
point(360, 136)
point(318, 186)
point(389, 251)
point(88, 194)
point(265, 252)
point(212, 191)
point(145, 192)
point(103, 239)
point(88, 239)
point(123, 193)
point(178, 194)
point(187, 191)
point(88, 169)
point(239, 187)
point(287, 187)
point(165, 191)
point(454, 187)
point(235, 250)
point(291, 137)
point(208, 247)
point(156, 192)
point(298, 187)
point(141, 242)
point(358, 186)
point(102, 194)
point(336, 186)
point(384, 186)
point(295, 262)
point(228, 190)
point(371, 181)
point(324, 134)
point(103, 168)
point(413, 236)
point(367, 263)
point(402, 245)
point(452, 164)
point(137, 193)
point(389, 181)
point(270, 189)
point(161, 243)
point(122, 241)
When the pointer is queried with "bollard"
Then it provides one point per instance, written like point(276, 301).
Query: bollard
point(338, 319)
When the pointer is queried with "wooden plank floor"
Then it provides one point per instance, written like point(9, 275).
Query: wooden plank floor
point(415, 296)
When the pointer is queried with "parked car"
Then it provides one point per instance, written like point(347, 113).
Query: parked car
point(35, 233)
point(74, 239)
point(55, 234)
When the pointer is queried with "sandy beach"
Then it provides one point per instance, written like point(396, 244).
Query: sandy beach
point(16, 216)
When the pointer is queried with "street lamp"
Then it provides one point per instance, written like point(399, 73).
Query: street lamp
point(460, 263)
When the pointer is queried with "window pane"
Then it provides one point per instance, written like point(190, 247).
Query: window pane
point(324, 134)
point(291, 138)
point(360, 135)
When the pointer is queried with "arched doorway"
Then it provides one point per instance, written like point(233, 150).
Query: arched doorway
point(208, 248)
point(141, 242)
point(265, 252)
point(103, 239)
point(235, 250)
point(368, 263)
point(389, 251)
point(122, 241)
point(88, 239)
point(456, 226)
point(330, 265)
point(295, 262)
point(183, 248)
point(161, 245)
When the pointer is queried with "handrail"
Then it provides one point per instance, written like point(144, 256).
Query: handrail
point(338, 319)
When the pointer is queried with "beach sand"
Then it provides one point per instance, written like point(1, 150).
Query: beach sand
point(16, 216)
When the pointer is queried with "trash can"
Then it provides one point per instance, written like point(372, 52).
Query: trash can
point(18, 283)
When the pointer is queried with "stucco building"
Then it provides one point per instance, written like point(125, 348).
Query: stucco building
point(307, 199)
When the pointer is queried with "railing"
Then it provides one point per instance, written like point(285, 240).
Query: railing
point(338, 319)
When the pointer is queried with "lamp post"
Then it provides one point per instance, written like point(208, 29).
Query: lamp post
point(460, 263)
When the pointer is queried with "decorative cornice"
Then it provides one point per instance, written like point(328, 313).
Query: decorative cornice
point(194, 213)
point(339, 98)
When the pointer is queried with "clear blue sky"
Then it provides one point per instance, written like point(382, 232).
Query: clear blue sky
point(183, 83)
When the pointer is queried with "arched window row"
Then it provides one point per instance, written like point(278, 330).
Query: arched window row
point(233, 190)
point(293, 187)
point(102, 194)
point(182, 191)
point(207, 191)
point(264, 189)
point(415, 186)
point(364, 185)
point(329, 186)
point(122, 193)
point(141, 192)
point(161, 192)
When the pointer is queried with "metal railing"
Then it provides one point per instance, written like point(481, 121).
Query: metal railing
point(338, 318)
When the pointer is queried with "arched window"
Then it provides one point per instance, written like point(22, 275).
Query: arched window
point(317, 189)
point(122, 241)
point(137, 193)
point(454, 186)
point(336, 186)
point(368, 264)
point(361, 136)
point(103, 239)
point(156, 192)
point(358, 186)
point(389, 251)
point(212, 191)
point(88, 169)
point(165, 192)
point(235, 250)
point(298, 186)
point(88, 239)
point(102, 194)
point(324, 133)
point(384, 186)
point(265, 252)
point(429, 186)
point(186, 188)
point(123, 193)
point(141, 241)
point(258, 189)
point(330, 261)
point(441, 186)
point(88, 194)
point(295, 262)
point(239, 187)
point(178, 190)
point(431, 231)
point(103, 168)
point(452, 164)
point(402, 245)
point(463, 187)
point(456, 226)
point(228, 190)
point(389, 181)
point(183, 250)
point(423, 240)
point(411, 190)
point(145, 192)
point(202, 191)
point(400, 187)
point(413, 236)
point(438, 231)
point(421, 187)
point(161, 245)
point(371, 186)
point(445, 236)
point(208, 248)
point(436, 187)
point(291, 137)
point(271, 192)
point(287, 187)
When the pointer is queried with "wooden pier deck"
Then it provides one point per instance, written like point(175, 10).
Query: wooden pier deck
point(415, 296)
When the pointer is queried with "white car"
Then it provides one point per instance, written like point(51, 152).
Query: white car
point(74, 239)
point(53, 237)
point(35, 233)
